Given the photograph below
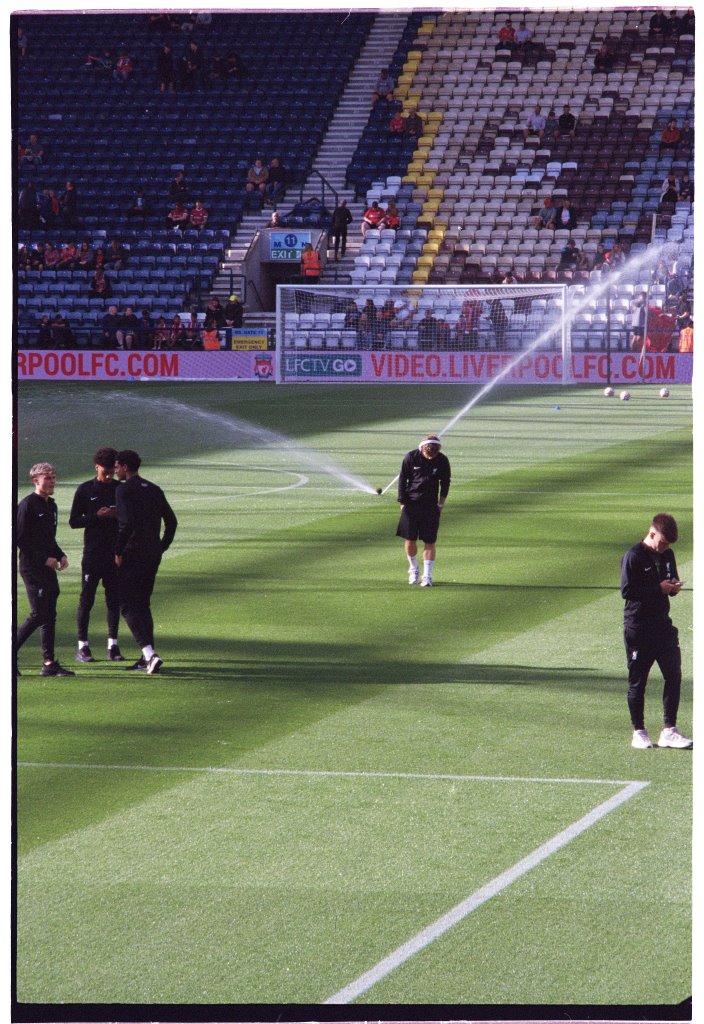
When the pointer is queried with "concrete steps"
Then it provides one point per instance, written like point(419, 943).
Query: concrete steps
point(333, 157)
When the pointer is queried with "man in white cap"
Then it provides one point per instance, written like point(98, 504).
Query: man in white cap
point(423, 486)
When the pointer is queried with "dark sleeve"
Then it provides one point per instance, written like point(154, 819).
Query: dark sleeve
point(445, 480)
point(79, 517)
point(170, 524)
point(23, 532)
point(125, 518)
point(636, 584)
point(403, 480)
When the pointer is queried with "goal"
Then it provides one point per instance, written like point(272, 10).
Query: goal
point(422, 333)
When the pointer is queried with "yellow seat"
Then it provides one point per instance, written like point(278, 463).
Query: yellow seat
point(420, 276)
point(436, 193)
point(400, 92)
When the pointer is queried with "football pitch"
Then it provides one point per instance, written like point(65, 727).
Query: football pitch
point(342, 789)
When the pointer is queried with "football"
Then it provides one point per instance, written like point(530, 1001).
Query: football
point(609, 392)
point(664, 392)
point(624, 396)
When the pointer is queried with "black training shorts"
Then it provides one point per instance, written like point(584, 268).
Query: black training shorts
point(419, 521)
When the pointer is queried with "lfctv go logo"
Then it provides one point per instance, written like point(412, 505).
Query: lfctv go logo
point(321, 366)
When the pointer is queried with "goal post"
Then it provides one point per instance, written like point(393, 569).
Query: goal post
point(419, 333)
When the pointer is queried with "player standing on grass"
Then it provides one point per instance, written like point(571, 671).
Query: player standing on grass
point(41, 559)
point(648, 581)
point(423, 486)
point(141, 509)
point(94, 512)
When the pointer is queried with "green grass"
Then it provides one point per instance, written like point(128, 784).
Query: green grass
point(173, 845)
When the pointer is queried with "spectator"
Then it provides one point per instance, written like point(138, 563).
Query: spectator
point(145, 331)
point(384, 88)
point(524, 39)
point(176, 334)
point(276, 183)
point(367, 325)
point(198, 216)
point(670, 136)
point(276, 221)
point(234, 67)
point(397, 124)
point(569, 254)
point(687, 134)
point(61, 333)
point(414, 123)
point(191, 66)
point(178, 189)
point(84, 257)
point(639, 307)
point(116, 256)
point(672, 27)
point(536, 123)
point(566, 123)
point(683, 312)
point(686, 190)
point(214, 312)
point(257, 178)
point(552, 125)
point(670, 187)
point(352, 315)
point(22, 42)
point(99, 258)
point(103, 66)
point(499, 322)
point(22, 258)
point(687, 22)
point(69, 205)
point(443, 335)
point(599, 256)
point(565, 217)
point(507, 35)
point(36, 257)
point(139, 207)
point(547, 214)
point(100, 287)
point(310, 264)
point(165, 69)
point(615, 256)
point(372, 217)
point(392, 216)
point(52, 255)
point(178, 217)
point(427, 331)
point(32, 153)
point(233, 313)
point(161, 334)
point(128, 329)
point(124, 66)
point(44, 338)
point(67, 257)
point(604, 59)
point(657, 25)
point(27, 212)
point(584, 266)
point(341, 220)
point(49, 208)
point(467, 327)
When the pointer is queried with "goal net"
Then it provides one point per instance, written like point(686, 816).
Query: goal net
point(413, 334)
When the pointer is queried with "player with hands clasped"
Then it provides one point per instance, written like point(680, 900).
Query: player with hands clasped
point(94, 511)
point(648, 580)
point(423, 486)
point(41, 559)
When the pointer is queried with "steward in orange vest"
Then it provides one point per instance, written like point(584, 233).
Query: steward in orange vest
point(310, 263)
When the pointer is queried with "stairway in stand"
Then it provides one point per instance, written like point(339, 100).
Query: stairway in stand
point(333, 157)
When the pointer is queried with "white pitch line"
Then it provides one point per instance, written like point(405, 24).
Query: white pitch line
point(482, 895)
point(208, 769)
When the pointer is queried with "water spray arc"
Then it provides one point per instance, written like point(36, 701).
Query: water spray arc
point(649, 257)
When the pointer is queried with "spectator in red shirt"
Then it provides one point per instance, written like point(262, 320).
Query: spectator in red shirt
point(199, 216)
point(392, 217)
point(507, 34)
point(178, 217)
point(124, 66)
point(670, 136)
point(372, 217)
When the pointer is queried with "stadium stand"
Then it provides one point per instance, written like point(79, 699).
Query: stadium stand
point(467, 188)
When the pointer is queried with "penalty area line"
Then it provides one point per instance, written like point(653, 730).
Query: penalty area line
point(459, 912)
